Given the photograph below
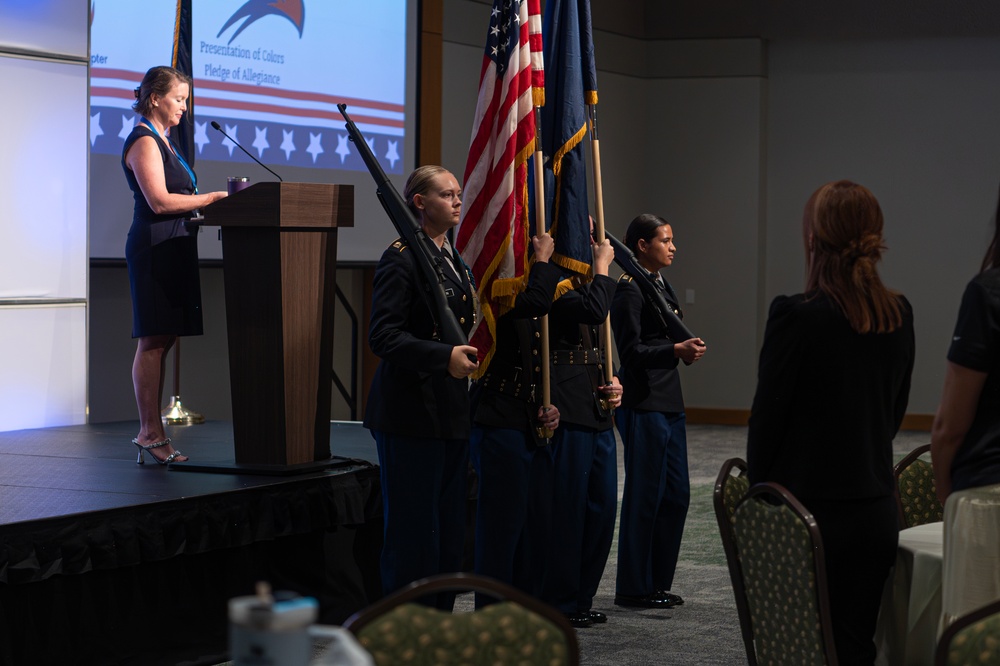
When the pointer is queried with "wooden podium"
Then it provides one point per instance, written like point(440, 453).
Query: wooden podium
point(279, 247)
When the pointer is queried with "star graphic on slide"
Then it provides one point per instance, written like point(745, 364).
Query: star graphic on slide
point(227, 142)
point(342, 148)
point(392, 154)
point(288, 143)
point(315, 149)
point(260, 140)
point(128, 122)
point(201, 135)
point(95, 128)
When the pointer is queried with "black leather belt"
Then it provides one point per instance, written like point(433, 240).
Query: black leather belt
point(577, 357)
point(509, 383)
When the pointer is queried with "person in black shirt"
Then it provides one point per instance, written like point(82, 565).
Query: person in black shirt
point(832, 388)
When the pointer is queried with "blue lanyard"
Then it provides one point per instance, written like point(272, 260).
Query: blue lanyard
point(194, 179)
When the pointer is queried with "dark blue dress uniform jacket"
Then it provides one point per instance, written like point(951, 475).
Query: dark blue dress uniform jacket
point(503, 410)
point(573, 384)
point(648, 370)
point(412, 392)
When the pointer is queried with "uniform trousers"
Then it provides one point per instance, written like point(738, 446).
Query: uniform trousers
point(423, 507)
point(514, 507)
point(655, 499)
point(584, 508)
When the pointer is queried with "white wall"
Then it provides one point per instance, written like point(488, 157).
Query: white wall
point(916, 123)
point(43, 220)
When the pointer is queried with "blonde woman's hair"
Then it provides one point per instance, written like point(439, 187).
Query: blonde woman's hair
point(419, 182)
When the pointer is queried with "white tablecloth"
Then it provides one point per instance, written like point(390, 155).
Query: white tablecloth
point(911, 603)
point(972, 551)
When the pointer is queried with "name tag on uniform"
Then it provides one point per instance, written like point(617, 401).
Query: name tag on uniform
point(449, 292)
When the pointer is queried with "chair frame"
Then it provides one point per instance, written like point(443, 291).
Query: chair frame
point(729, 547)
point(961, 622)
point(778, 494)
point(466, 582)
point(897, 471)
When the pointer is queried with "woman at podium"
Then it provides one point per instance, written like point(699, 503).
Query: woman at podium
point(161, 249)
point(418, 407)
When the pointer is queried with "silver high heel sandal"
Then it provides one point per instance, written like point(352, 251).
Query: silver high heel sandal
point(155, 445)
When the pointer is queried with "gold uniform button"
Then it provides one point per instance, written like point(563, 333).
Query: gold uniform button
point(535, 352)
point(461, 320)
point(464, 297)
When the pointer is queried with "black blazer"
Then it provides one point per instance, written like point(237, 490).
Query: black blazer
point(648, 371)
point(572, 385)
point(412, 392)
point(829, 401)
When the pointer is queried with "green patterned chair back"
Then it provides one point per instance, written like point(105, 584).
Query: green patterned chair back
point(734, 489)
point(502, 633)
point(971, 639)
point(518, 629)
point(916, 495)
point(731, 486)
point(780, 554)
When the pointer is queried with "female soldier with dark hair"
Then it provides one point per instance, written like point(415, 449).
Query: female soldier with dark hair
point(418, 407)
point(832, 389)
point(652, 426)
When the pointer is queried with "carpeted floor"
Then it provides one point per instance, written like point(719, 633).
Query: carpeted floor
point(705, 630)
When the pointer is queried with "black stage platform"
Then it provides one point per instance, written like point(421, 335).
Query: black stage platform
point(103, 561)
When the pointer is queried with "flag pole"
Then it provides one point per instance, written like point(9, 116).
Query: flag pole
point(541, 228)
point(595, 150)
point(176, 413)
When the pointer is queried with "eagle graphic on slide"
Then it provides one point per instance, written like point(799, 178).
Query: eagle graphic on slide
point(253, 10)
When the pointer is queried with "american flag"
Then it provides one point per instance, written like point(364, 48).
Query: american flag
point(493, 236)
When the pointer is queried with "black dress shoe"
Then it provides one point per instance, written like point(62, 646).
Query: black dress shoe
point(644, 601)
point(579, 620)
point(597, 617)
point(673, 599)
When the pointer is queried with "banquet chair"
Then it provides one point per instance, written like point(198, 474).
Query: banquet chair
point(781, 563)
point(730, 487)
point(973, 638)
point(915, 493)
point(517, 629)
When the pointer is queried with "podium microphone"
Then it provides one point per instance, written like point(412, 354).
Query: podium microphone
point(215, 125)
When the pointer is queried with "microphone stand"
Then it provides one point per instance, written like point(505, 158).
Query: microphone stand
point(175, 413)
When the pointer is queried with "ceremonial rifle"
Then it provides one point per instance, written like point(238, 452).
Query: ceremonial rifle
point(430, 265)
point(626, 259)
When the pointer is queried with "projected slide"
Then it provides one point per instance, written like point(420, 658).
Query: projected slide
point(270, 72)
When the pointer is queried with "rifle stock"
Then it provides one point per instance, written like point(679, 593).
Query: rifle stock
point(626, 259)
point(407, 227)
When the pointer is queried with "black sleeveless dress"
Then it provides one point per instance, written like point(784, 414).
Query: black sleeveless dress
point(162, 255)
